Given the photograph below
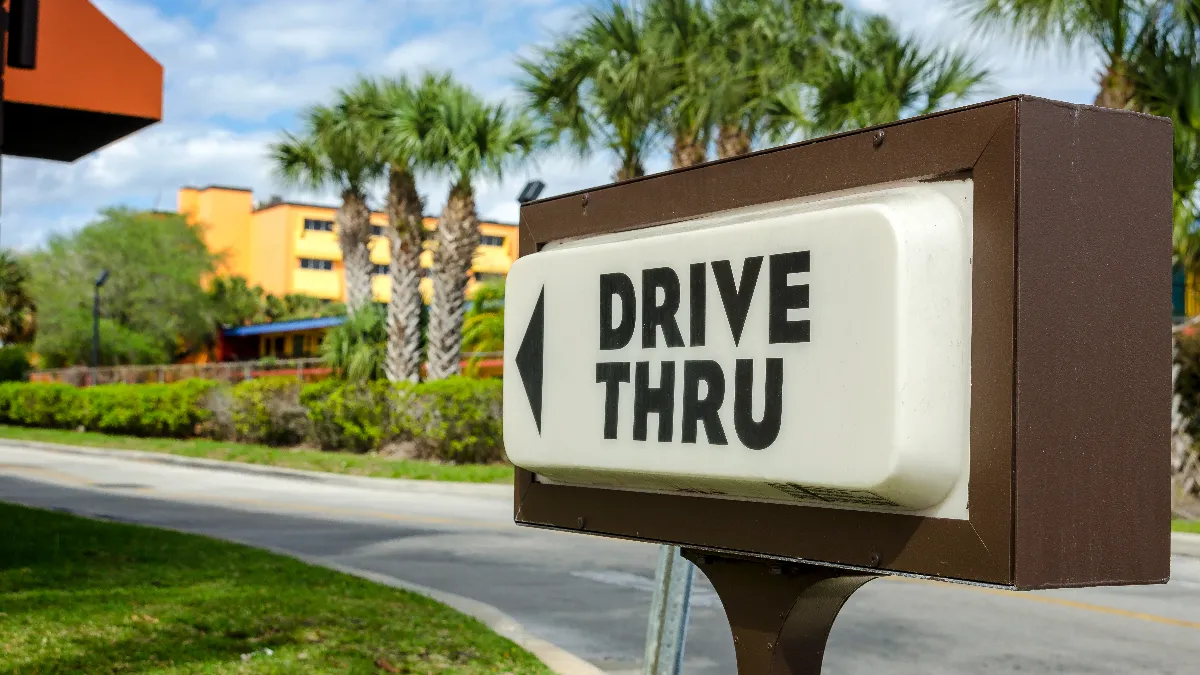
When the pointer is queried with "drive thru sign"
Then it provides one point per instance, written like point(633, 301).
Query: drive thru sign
point(939, 348)
point(727, 355)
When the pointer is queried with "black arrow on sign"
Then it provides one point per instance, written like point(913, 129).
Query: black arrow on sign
point(529, 358)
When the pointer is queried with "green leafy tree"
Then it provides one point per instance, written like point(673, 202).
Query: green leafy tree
point(235, 302)
point(334, 152)
point(357, 349)
point(1113, 27)
point(14, 363)
point(877, 76)
point(484, 140)
point(765, 55)
point(16, 303)
point(1164, 72)
point(605, 85)
point(300, 306)
point(153, 307)
point(682, 34)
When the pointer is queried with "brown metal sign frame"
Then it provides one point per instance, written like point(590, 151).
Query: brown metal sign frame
point(1070, 349)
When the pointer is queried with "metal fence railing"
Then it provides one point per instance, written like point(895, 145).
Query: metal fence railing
point(310, 369)
point(485, 364)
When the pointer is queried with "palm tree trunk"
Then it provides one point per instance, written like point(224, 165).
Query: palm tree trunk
point(407, 238)
point(629, 171)
point(1185, 463)
point(354, 237)
point(732, 141)
point(457, 240)
point(1116, 90)
point(687, 152)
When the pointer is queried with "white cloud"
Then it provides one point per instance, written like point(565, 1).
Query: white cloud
point(449, 49)
point(1060, 73)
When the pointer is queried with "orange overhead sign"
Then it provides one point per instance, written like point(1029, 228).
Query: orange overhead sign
point(92, 85)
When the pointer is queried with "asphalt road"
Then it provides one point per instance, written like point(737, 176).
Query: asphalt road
point(591, 595)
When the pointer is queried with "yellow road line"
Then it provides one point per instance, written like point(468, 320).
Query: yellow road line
point(1050, 600)
point(46, 475)
point(333, 510)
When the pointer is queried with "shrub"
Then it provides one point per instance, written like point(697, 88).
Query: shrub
point(144, 409)
point(136, 409)
point(355, 416)
point(267, 410)
point(38, 405)
point(457, 420)
point(14, 364)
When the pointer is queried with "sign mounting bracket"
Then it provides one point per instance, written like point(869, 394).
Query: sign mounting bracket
point(780, 613)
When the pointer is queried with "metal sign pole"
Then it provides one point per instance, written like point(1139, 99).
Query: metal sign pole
point(780, 613)
point(666, 633)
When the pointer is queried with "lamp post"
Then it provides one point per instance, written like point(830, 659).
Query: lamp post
point(96, 324)
point(531, 191)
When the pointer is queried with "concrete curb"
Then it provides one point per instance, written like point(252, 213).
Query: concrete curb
point(385, 484)
point(1184, 543)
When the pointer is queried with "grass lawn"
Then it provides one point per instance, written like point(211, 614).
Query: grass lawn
point(1192, 526)
point(83, 596)
point(312, 460)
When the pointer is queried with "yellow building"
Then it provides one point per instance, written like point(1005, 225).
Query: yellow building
point(287, 247)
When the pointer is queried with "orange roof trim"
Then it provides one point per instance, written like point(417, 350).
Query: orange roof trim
point(92, 85)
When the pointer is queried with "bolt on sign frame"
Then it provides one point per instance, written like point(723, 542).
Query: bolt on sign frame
point(1070, 350)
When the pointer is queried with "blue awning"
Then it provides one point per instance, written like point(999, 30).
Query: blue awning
point(285, 326)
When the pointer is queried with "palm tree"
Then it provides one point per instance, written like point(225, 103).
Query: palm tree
point(401, 118)
point(483, 328)
point(1113, 27)
point(1164, 72)
point(483, 140)
point(356, 350)
point(333, 152)
point(681, 32)
point(16, 304)
point(761, 56)
point(607, 84)
point(876, 76)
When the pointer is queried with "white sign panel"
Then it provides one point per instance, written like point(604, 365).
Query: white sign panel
point(813, 351)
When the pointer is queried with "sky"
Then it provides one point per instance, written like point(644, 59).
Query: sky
point(238, 72)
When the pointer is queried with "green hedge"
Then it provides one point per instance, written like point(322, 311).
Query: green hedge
point(359, 417)
point(456, 420)
point(135, 409)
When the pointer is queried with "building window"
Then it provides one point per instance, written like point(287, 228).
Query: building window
point(315, 264)
point(376, 230)
point(318, 225)
point(491, 240)
point(380, 269)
